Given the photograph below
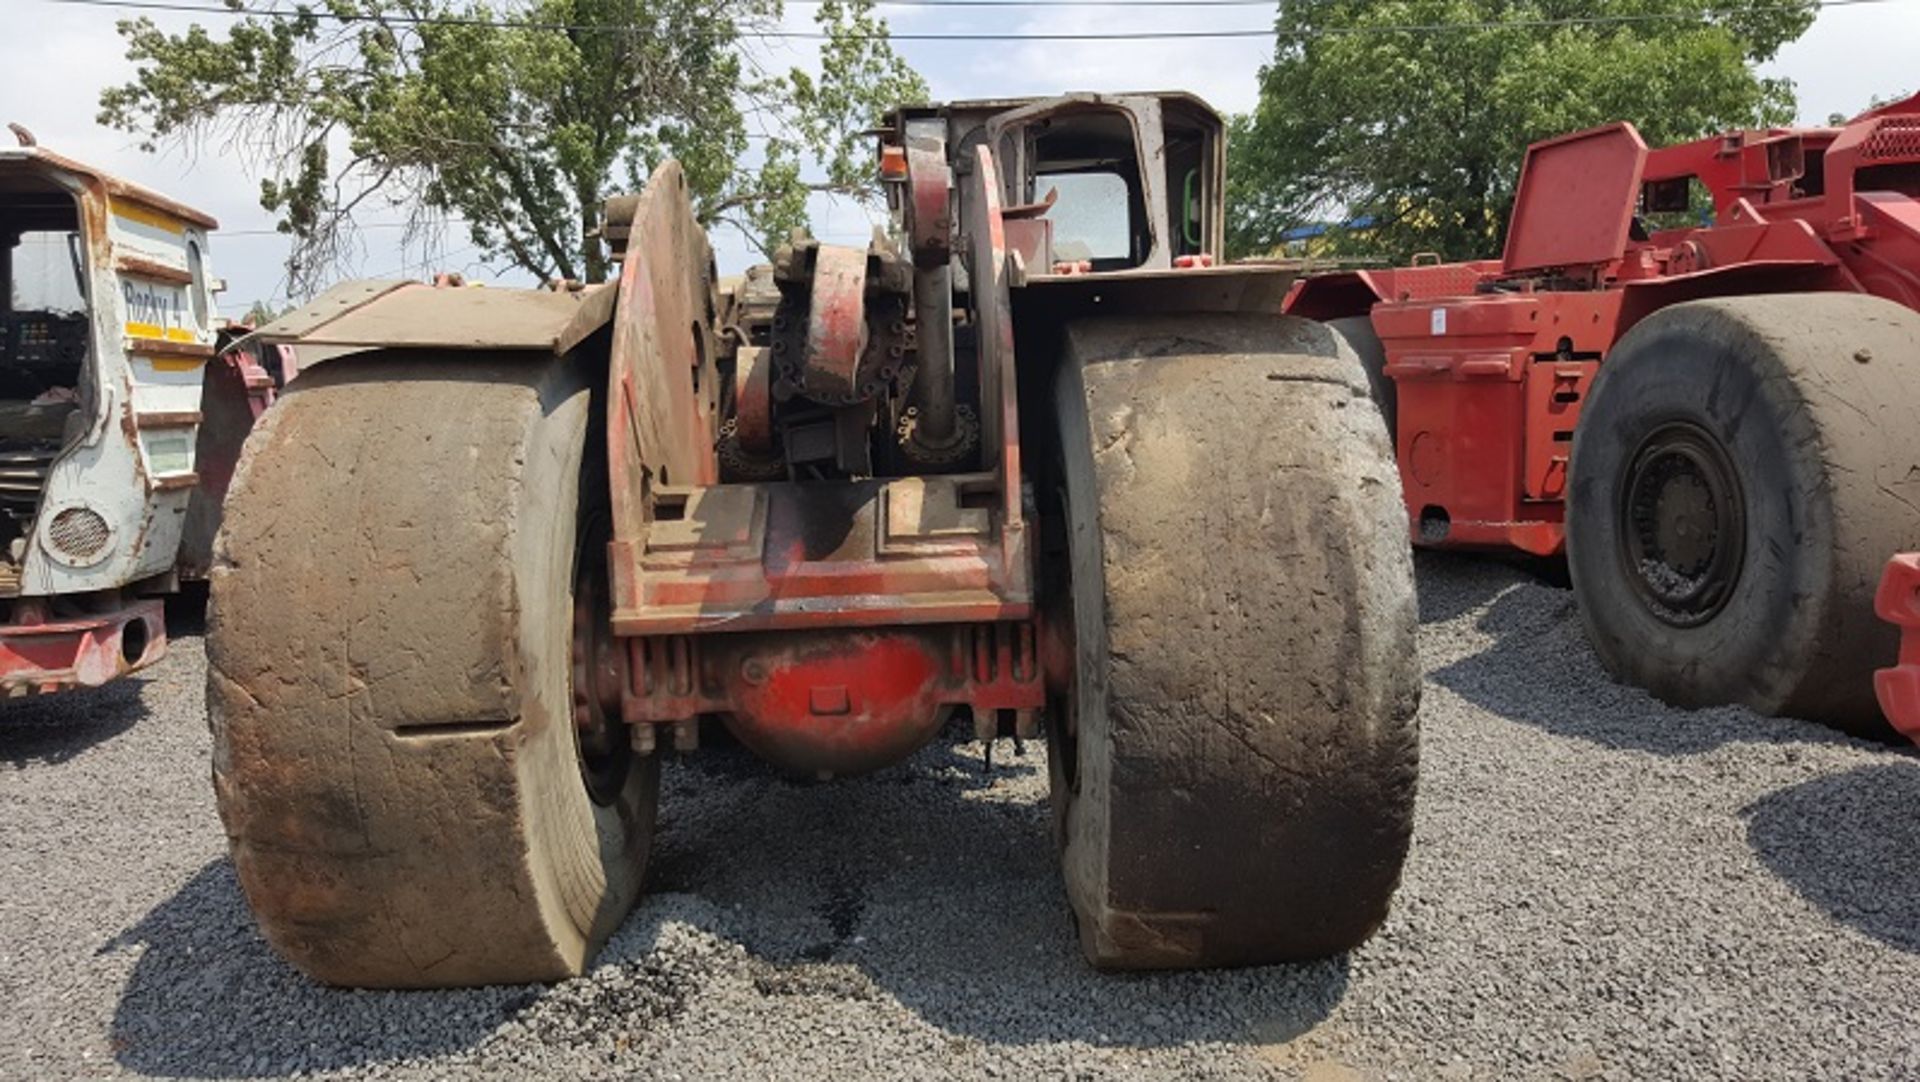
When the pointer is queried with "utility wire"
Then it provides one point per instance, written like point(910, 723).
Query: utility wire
point(1164, 35)
point(280, 233)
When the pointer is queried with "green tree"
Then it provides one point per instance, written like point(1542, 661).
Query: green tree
point(515, 120)
point(1412, 115)
point(260, 313)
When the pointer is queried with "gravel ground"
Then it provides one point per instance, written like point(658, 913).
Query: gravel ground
point(1601, 887)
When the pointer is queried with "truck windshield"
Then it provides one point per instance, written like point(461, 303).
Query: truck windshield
point(47, 273)
point(1090, 218)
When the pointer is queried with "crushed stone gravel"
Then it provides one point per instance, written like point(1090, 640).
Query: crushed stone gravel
point(1601, 888)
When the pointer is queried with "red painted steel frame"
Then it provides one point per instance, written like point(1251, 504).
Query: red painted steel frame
point(827, 621)
point(36, 658)
point(1465, 373)
point(1898, 603)
point(702, 556)
point(809, 555)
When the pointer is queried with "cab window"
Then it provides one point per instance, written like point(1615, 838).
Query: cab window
point(1089, 215)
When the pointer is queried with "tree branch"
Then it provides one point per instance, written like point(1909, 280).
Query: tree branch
point(717, 209)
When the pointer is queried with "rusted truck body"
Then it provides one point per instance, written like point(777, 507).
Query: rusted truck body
point(108, 355)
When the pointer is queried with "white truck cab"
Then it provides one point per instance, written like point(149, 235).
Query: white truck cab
point(108, 348)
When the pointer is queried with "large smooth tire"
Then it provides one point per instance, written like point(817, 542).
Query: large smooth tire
point(1235, 767)
point(1742, 470)
point(395, 757)
point(1358, 333)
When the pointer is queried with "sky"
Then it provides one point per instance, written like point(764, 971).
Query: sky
point(1850, 55)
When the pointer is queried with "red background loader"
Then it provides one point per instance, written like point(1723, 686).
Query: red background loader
point(1718, 424)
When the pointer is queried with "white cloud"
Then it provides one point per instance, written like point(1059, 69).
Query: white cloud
point(77, 51)
point(1221, 70)
point(1850, 56)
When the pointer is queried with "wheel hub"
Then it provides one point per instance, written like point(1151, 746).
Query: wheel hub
point(1683, 524)
point(600, 736)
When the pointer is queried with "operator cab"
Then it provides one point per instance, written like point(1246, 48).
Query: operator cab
point(1095, 182)
point(867, 363)
point(45, 338)
point(1086, 172)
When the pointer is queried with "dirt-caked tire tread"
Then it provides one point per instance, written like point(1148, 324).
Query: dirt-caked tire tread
point(1359, 335)
point(389, 679)
point(1245, 743)
point(1814, 398)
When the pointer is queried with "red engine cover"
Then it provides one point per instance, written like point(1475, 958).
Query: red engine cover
point(1489, 390)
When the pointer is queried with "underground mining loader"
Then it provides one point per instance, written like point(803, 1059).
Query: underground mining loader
point(1692, 372)
point(1030, 459)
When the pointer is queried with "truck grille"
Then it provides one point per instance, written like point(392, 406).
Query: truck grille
point(23, 479)
point(23, 476)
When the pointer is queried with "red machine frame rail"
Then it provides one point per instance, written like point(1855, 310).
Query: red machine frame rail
point(1898, 603)
point(54, 655)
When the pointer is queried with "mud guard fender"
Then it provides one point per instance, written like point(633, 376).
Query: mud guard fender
point(1333, 296)
point(405, 315)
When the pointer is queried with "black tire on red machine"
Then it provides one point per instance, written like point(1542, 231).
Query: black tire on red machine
point(413, 792)
point(1358, 333)
point(1742, 470)
point(1234, 770)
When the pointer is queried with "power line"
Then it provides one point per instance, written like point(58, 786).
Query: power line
point(1161, 35)
point(369, 225)
point(426, 261)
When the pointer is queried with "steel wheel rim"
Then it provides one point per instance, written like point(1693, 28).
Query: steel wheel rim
point(1682, 523)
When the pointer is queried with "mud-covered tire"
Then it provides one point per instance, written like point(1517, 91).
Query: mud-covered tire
point(389, 686)
point(1742, 470)
point(1359, 335)
point(1238, 757)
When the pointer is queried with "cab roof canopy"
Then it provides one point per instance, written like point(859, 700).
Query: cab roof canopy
point(19, 164)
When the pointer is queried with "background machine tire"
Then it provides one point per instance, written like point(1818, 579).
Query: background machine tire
point(1742, 470)
point(1235, 769)
point(390, 658)
point(1358, 333)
